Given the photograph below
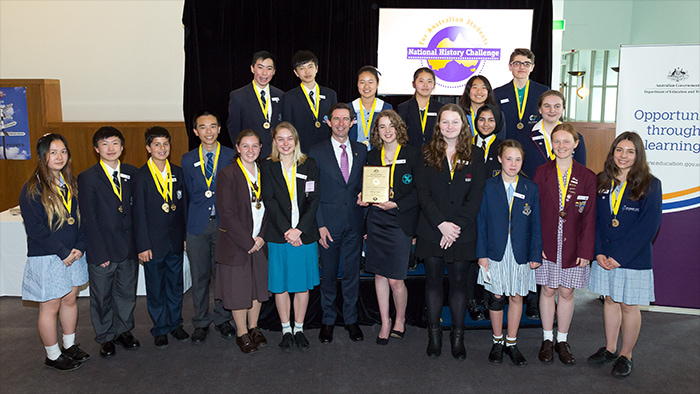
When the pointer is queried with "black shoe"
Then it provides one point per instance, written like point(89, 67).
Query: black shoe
point(382, 341)
point(326, 333)
point(457, 343)
point(564, 351)
point(474, 312)
point(161, 341)
point(107, 349)
point(63, 363)
point(199, 335)
point(434, 348)
point(532, 311)
point(398, 334)
point(76, 354)
point(515, 356)
point(412, 262)
point(287, 343)
point(622, 367)
point(496, 354)
point(226, 330)
point(354, 332)
point(301, 341)
point(127, 340)
point(602, 356)
point(546, 354)
point(179, 333)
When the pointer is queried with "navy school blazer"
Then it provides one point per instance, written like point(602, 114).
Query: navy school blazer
point(505, 95)
point(296, 110)
point(244, 112)
point(410, 113)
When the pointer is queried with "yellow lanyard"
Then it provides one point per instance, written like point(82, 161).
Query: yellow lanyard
point(562, 186)
point(366, 126)
point(521, 108)
point(256, 190)
point(547, 142)
point(393, 164)
point(216, 162)
point(117, 190)
point(617, 199)
point(472, 115)
point(452, 168)
point(488, 147)
point(164, 186)
point(263, 107)
point(313, 106)
point(291, 181)
point(424, 117)
point(68, 198)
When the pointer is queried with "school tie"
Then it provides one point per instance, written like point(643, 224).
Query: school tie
point(115, 179)
point(311, 96)
point(344, 164)
point(262, 97)
point(510, 194)
point(209, 168)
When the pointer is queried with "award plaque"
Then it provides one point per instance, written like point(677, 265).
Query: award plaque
point(375, 184)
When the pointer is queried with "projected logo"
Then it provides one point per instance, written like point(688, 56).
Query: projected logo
point(454, 53)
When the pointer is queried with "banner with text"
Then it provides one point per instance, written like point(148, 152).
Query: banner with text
point(14, 124)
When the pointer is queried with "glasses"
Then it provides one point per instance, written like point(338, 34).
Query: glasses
point(521, 64)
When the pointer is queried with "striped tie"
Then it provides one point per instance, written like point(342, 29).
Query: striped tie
point(209, 168)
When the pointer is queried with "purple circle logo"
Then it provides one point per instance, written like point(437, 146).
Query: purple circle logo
point(452, 70)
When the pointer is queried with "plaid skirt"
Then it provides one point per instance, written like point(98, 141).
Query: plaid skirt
point(632, 287)
point(552, 275)
point(47, 278)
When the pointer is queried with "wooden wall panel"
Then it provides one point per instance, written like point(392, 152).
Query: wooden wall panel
point(598, 137)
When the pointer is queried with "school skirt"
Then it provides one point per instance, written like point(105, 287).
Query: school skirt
point(47, 278)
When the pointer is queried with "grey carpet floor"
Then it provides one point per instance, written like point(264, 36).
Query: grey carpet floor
point(667, 359)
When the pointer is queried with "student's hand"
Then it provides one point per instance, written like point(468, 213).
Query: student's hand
point(484, 262)
point(78, 254)
point(105, 264)
point(602, 261)
point(386, 205)
point(259, 243)
point(544, 256)
point(146, 256)
point(325, 236)
point(449, 230)
point(445, 242)
point(69, 260)
point(359, 200)
point(612, 263)
point(534, 265)
point(292, 236)
point(184, 246)
point(581, 262)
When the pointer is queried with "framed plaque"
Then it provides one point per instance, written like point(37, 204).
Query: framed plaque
point(375, 184)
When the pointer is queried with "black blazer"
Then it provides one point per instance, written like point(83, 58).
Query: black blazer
point(454, 200)
point(405, 194)
point(492, 165)
point(154, 229)
point(278, 206)
point(244, 113)
point(410, 113)
point(110, 234)
point(296, 110)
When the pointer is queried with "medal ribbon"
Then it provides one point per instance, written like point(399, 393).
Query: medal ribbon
point(256, 190)
point(117, 191)
point(521, 108)
point(393, 164)
point(216, 161)
point(368, 124)
point(424, 117)
point(67, 199)
point(291, 182)
point(617, 199)
point(164, 186)
point(472, 117)
point(547, 142)
point(314, 107)
point(262, 107)
point(562, 186)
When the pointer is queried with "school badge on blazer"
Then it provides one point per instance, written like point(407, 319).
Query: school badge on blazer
point(526, 210)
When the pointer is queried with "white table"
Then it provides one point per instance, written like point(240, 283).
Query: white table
point(13, 257)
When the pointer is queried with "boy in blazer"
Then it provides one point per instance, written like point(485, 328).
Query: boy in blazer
point(160, 211)
point(106, 189)
point(305, 105)
point(256, 106)
point(340, 220)
point(200, 167)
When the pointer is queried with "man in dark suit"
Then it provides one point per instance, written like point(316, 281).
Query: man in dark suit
point(517, 118)
point(340, 220)
point(105, 204)
point(305, 105)
point(256, 106)
point(160, 210)
point(200, 167)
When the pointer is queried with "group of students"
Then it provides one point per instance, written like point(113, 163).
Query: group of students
point(491, 193)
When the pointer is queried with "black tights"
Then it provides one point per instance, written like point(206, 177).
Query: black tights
point(457, 275)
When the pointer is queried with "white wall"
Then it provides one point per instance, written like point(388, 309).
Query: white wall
point(116, 59)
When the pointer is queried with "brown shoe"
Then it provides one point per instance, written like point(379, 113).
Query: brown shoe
point(546, 352)
point(257, 336)
point(246, 344)
point(564, 351)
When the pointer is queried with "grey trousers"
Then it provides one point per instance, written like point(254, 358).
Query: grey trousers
point(112, 298)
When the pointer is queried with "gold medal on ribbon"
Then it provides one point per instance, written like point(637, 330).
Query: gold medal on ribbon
point(67, 199)
point(520, 126)
point(208, 194)
point(255, 190)
point(121, 209)
point(258, 205)
point(366, 143)
point(266, 125)
point(562, 214)
point(71, 221)
point(521, 106)
point(615, 222)
point(393, 167)
point(317, 124)
point(172, 207)
point(164, 186)
point(165, 207)
point(616, 200)
point(391, 193)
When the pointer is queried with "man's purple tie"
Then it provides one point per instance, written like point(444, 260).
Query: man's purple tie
point(344, 166)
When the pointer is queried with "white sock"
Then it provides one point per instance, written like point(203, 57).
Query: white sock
point(53, 351)
point(298, 327)
point(548, 335)
point(68, 340)
point(511, 341)
point(498, 339)
point(286, 328)
point(561, 336)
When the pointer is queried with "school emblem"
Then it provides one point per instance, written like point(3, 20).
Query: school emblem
point(179, 194)
point(495, 173)
point(406, 179)
point(581, 206)
point(526, 210)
